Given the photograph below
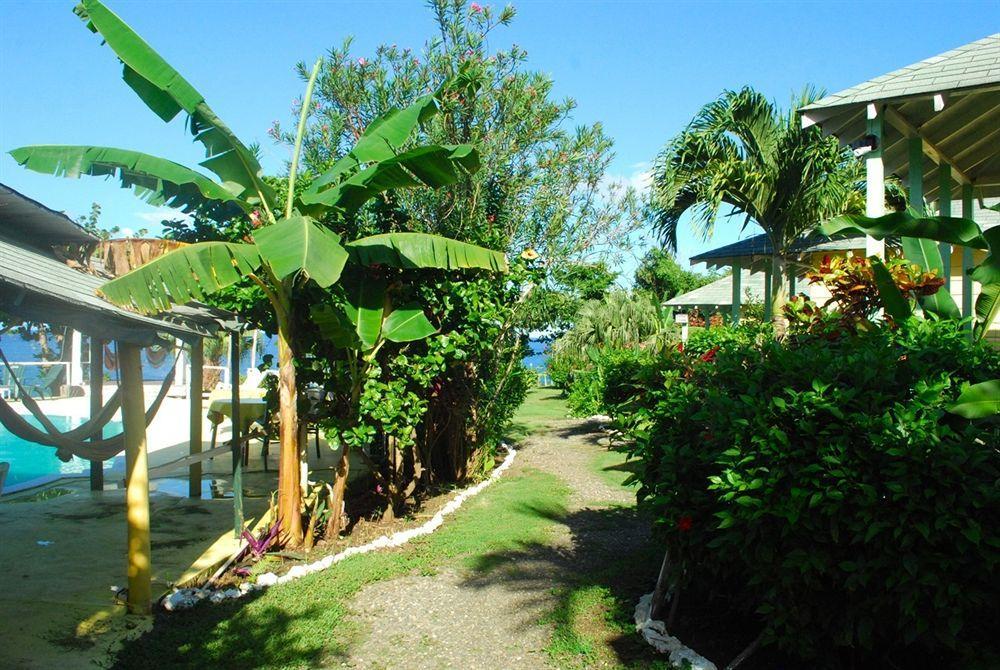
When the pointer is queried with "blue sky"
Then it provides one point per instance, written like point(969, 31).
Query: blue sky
point(641, 68)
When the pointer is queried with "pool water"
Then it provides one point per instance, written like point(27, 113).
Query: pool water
point(32, 464)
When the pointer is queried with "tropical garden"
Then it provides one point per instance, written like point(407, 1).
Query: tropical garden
point(816, 484)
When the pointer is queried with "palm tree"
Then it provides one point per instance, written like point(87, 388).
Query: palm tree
point(742, 156)
point(289, 246)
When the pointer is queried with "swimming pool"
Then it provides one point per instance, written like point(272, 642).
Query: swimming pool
point(33, 464)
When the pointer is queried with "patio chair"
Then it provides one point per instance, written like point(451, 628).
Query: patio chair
point(45, 383)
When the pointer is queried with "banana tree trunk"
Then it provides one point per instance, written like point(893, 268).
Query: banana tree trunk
point(289, 489)
point(779, 294)
point(335, 524)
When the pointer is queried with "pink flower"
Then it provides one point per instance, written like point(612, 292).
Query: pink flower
point(362, 61)
point(476, 7)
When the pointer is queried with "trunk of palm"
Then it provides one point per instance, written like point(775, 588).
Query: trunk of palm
point(779, 294)
point(289, 490)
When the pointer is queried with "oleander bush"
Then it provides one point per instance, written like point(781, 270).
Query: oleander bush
point(822, 487)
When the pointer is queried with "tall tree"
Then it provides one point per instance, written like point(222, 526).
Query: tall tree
point(289, 248)
point(742, 157)
point(661, 274)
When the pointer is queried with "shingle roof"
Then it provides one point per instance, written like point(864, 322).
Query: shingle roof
point(971, 65)
point(720, 292)
point(27, 219)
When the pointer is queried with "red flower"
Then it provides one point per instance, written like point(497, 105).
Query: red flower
point(680, 347)
point(684, 523)
point(709, 355)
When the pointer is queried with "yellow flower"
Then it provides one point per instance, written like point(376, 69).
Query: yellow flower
point(529, 254)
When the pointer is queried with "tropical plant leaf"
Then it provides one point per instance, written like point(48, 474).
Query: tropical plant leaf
point(978, 400)
point(166, 93)
point(156, 180)
point(421, 250)
point(381, 140)
point(433, 166)
point(987, 274)
point(300, 244)
point(927, 255)
point(952, 230)
point(364, 306)
point(336, 326)
point(406, 324)
point(893, 301)
point(182, 275)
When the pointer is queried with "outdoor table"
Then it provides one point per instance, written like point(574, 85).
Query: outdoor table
point(252, 408)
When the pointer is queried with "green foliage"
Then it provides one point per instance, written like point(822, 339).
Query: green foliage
point(822, 486)
point(661, 274)
point(553, 305)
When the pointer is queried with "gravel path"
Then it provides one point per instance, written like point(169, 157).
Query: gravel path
point(460, 619)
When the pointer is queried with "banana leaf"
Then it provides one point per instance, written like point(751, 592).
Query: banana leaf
point(978, 400)
point(432, 166)
point(381, 140)
point(167, 93)
point(336, 326)
point(927, 255)
point(421, 250)
point(300, 244)
point(155, 180)
point(893, 301)
point(407, 324)
point(364, 306)
point(950, 229)
point(188, 273)
point(987, 273)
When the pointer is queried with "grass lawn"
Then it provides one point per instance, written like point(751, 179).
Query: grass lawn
point(540, 408)
point(303, 624)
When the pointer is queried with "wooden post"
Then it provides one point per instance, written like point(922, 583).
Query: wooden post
point(196, 380)
point(768, 293)
point(944, 209)
point(96, 403)
point(875, 178)
point(916, 176)
point(737, 279)
point(237, 450)
point(136, 480)
point(967, 261)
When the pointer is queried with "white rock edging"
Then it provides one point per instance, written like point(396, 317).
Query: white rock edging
point(655, 633)
point(186, 598)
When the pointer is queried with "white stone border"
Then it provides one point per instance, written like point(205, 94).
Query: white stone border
point(186, 598)
point(655, 633)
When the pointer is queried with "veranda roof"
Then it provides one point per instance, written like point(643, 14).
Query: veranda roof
point(36, 286)
point(951, 101)
point(720, 292)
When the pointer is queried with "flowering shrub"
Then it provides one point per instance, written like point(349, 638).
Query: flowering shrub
point(821, 488)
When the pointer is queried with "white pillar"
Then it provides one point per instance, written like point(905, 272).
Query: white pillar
point(875, 177)
point(967, 260)
point(944, 209)
point(75, 359)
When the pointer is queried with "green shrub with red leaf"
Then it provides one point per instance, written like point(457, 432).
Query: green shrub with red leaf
point(820, 488)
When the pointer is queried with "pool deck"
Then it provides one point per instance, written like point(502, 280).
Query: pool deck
point(62, 555)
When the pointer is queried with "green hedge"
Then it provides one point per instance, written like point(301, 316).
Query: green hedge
point(823, 488)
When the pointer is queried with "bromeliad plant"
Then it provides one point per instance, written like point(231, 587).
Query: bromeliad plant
point(289, 245)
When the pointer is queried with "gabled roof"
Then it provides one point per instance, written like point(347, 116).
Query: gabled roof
point(951, 102)
point(969, 66)
point(720, 292)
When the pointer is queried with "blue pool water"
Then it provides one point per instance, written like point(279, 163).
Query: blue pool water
point(34, 463)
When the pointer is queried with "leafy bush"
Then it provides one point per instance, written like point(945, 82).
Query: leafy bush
point(823, 486)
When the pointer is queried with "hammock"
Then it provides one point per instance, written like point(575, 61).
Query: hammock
point(78, 441)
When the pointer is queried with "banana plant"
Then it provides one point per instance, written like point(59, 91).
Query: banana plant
point(360, 324)
point(290, 246)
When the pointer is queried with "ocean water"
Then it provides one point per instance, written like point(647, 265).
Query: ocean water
point(539, 358)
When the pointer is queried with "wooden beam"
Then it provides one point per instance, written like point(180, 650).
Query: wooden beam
point(196, 381)
point(737, 278)
point(96, 402)
point(875, 179)
point(967, 260)
point(237, 445)
point(136, 480)
point(905, 126)
point(944, 209)
point(916, 171)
